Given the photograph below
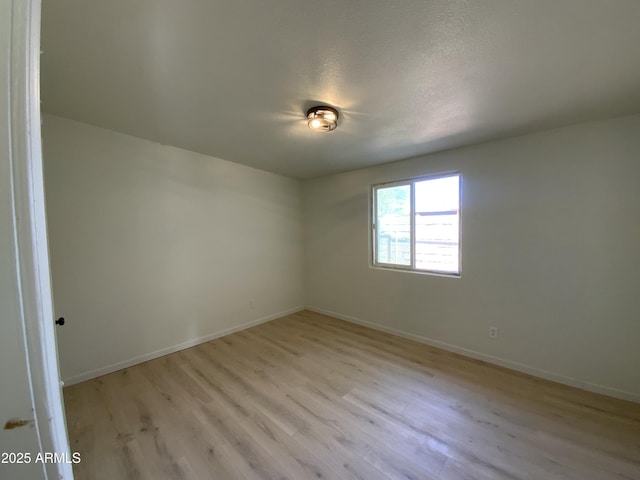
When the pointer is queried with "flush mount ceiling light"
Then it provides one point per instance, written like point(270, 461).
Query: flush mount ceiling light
point(322, 119)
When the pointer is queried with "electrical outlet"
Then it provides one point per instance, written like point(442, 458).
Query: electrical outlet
point(252, 304)
point(493, 332)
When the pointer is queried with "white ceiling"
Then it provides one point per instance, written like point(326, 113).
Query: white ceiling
point(233, 78)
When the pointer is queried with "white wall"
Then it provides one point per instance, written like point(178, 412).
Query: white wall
point(550, 255)
point(154, 248)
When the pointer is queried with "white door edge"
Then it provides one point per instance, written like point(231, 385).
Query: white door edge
point(30, 232)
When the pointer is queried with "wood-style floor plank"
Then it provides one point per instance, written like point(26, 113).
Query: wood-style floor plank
point(308, 396)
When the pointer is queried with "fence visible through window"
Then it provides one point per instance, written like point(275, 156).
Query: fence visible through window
point(435, 230)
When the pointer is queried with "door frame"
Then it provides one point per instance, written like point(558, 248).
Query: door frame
point(30, 233)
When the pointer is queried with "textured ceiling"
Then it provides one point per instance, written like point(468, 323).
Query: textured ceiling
point(233, 78)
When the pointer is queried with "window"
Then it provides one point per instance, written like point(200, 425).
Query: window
point(416, 224)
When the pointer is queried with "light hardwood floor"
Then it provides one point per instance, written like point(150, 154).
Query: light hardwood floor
point(308, 396)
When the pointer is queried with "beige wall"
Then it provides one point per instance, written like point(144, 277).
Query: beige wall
point(154, 248)
point(550, 255)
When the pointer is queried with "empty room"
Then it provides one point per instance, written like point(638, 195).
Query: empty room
point(337, 240)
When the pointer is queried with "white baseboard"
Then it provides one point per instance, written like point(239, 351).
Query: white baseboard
point(519, 367)
point(98, 372)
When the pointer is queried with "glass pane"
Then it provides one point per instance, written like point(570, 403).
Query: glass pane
point(437, 243)
point(393, 224)
point(438, 194)
point(438, 224)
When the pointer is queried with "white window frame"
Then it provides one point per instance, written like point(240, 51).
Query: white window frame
point(412, 214)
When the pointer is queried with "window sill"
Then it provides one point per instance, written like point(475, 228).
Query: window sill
point(418, 272)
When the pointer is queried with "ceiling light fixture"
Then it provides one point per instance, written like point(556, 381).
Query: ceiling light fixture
point(322, 119)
